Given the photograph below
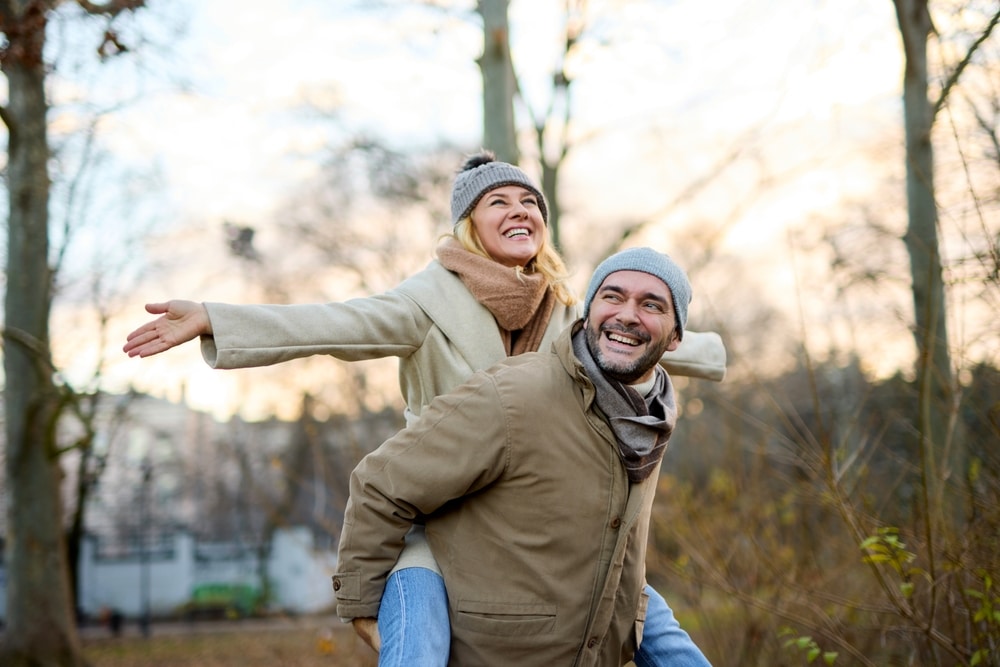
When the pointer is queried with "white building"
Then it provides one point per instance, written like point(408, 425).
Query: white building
point(173, 479)
point(163, 578)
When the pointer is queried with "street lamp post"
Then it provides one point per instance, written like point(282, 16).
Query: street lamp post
point(144, 530)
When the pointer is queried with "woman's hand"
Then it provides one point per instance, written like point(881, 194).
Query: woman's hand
point(179, 322)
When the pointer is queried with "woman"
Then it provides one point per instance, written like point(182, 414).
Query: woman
point(497, 288)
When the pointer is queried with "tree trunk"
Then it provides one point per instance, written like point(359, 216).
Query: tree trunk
point(550, 187)
point(499, 84)
point(933, 366)
point(40, 622)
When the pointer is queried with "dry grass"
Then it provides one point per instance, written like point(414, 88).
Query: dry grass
point(245, 646)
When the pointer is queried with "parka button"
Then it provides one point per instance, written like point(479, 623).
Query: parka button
point(336, 584)
point(592, 642)
point(616, 523)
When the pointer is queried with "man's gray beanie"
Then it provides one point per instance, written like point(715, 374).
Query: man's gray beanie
point(648, 261)
point(480, 174)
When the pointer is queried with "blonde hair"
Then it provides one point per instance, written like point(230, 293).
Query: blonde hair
point(547, 262)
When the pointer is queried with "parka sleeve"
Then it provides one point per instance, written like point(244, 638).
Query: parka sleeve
point(460, 445)
point(385, 325)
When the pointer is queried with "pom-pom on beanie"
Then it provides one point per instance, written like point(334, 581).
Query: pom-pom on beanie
point(648, 261)
point(480, 174)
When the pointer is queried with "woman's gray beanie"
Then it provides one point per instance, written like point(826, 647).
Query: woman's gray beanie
point(648, 261)
point(483, 172)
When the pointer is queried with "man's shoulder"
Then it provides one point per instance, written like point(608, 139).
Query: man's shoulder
point(541, 371)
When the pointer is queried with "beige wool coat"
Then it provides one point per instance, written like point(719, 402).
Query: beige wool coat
point(431, 321)
point(538, 532)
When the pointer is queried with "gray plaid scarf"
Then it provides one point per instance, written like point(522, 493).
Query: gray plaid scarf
point(642, 426)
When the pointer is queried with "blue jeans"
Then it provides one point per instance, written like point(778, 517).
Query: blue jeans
point(413, 622)
point(663, 641)
point(414, 626)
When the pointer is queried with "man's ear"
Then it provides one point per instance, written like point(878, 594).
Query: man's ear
point(675, 341)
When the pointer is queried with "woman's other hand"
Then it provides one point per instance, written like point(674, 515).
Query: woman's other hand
point(179, 322)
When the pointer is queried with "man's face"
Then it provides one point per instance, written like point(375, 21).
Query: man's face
point(630, 325)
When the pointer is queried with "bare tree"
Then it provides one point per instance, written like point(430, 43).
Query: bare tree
point(40, 619)
point(499, 83)
point(934, 368)
point(552, 122)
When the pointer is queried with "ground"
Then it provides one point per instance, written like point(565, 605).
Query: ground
point(303, 642)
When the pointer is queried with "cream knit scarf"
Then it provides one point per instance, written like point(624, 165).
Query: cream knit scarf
point(520, 302)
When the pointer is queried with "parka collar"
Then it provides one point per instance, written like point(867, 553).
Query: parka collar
point(563, 348)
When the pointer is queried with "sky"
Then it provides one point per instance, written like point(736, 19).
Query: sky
point(410, 76)
point(663, 90)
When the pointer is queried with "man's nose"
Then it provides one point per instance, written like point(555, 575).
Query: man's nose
point(629, 312)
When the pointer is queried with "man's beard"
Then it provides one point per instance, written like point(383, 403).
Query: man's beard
point(626, 372)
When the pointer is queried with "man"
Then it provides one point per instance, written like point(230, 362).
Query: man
point(535, 481)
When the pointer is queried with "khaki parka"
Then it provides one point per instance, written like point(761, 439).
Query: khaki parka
point(539, 534)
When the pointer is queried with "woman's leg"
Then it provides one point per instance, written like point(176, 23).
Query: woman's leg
point(664, 643)
point(413, 623)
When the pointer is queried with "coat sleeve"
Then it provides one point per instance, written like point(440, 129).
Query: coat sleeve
point(700, 355)
point(385, 325)
point(458, 446)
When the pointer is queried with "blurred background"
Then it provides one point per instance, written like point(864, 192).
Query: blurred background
point(827, 171)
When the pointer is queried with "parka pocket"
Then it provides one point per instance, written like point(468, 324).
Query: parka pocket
point(505, 619)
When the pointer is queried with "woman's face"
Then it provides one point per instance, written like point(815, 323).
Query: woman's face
point(509, 224)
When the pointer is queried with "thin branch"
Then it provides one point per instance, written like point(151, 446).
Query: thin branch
point(111, 8)
point(957, 72)
point(721, 583)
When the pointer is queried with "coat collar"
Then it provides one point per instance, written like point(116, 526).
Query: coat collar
point(468, 324)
